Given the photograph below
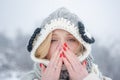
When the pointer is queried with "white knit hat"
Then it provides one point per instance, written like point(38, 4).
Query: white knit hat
point(61, 19)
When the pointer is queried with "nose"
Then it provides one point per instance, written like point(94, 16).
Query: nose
point(62, 41)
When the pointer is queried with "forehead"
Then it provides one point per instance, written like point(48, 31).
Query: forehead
point(60, 31)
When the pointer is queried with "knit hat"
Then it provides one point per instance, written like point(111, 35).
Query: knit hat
point(65, 20)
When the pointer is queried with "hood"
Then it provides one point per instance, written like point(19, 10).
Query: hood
point(61, 19)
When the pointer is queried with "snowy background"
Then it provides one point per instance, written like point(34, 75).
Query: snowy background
point(19, 18)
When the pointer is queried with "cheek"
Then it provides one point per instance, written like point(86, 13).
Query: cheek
point(73, 47)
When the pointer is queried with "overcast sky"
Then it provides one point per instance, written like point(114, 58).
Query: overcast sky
point(101, 17)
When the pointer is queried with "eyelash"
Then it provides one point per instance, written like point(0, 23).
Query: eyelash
point(71, 40)
point(53, 40)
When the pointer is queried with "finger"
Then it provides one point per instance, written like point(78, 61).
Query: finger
point(57, 60)
point(58, 68)
point(84, 69)
point(58, 49)
point(71, 55)
point(55, 66)
point(58, 56)
point(42, 68)
point(70, 58)
point(54, 59)
point(74, 57)
point(56, 52)
point(74, 61)
point(84, 63)
point(68, 65)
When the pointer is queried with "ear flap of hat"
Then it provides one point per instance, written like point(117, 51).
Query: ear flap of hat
point(84, 34)
point(30, 44)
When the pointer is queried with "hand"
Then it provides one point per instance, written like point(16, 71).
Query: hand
point(52, 72)
point(76, 70)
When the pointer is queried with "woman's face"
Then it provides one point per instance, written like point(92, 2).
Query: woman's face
point(60, 37)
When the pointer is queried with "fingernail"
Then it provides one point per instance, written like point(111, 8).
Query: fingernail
point(64, 48)
point(84, 62)
point(61, 55)
point(65, 44)
point(41, 64)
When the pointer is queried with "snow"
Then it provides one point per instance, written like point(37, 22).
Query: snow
point(12, 75)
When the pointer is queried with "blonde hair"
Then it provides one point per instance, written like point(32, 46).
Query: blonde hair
point(80, 49)
point(43, 49)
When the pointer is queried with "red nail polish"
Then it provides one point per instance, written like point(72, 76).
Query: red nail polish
point(65, 44)
point(84, 62)
point(41, 64)
point(61, 55)
point(64, 48)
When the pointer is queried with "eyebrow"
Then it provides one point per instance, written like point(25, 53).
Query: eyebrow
point(54, 34)
point(70, 34)
point(67, 34)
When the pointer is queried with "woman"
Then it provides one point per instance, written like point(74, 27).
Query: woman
point(61, 50)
